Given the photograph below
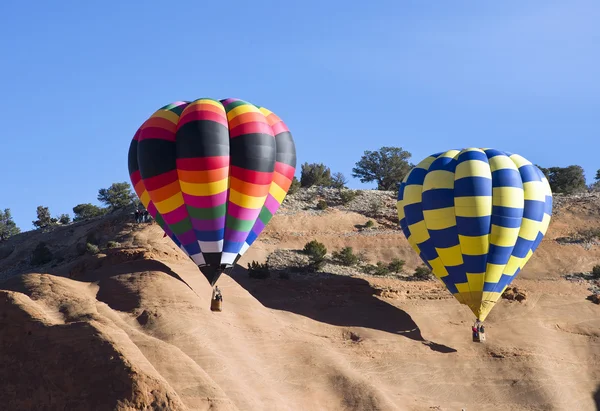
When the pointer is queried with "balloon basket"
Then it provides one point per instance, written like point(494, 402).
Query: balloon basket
point(216, 305)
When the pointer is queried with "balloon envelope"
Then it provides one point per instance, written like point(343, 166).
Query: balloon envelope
point(475, 217)
point(212, 173)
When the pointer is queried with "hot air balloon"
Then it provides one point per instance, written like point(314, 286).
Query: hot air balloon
point(212, 173)
point(475, 217)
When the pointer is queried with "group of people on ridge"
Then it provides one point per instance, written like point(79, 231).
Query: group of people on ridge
point(478, 331)
point(141, 216)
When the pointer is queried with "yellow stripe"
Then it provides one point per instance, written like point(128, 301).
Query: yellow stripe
point(451, 256)
point(400, 209)
point(529, 229)
point(438, 179)
point(545, 223)
point(207, 101)
point(145, 198)
point(413, 244)
point(245, 108)
point(438, 268)
point(476, 282)
point(508, 197)
point(170, 204)
point(476, 245)
point(473, 168)
point(440, 218)
point(503, 236)
point(459, 297)
point(450, 154)
point(493, 273)
point(534, 190)
point(277, 192)
point(501, 162)
point(526, 258)
point(519, 161)
point(463, 288)
point(266, 112)
point(513, 264)
point(246, 201)
point(204, 189)
point(412, 194)
point(476, 206)
point(167, 115)
point(418, 231)
point(425, 163)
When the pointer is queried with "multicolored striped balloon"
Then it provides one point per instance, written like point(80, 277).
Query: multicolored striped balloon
point(212, 173)
point(475, 217)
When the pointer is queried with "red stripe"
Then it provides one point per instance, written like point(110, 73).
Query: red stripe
point(156, 133)
point(156, 182)
point(251, 176)
point(251, 128)
point(202, 163)
point(136, 136)
point(279, 128)
point(285, 169)
point(135, 177)
point(202, 115)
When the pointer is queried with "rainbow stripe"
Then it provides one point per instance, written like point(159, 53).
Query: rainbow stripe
point(212, 173)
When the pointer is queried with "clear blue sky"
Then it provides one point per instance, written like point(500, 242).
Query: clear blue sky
point(77, 78)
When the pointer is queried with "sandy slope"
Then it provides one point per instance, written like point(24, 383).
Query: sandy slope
point(131, 330)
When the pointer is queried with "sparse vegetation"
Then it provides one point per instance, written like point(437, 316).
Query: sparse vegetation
point(565, 180)
point(322, 205)
point(345, 257)
point(596, 271)
point(422, 273)
point(396, 266)
point(338, 180)
point(113, 244)
point(387, 167)
point(41, 254)
point(375, 208)
point(316, 252)
point(44, 219)
point(8, 227)
point(369, 224)
point(117, 196)
point(258, 270)
point(87, 210)
point(92, 248)
point(347, 195)
point(378, 269)
point(315, 174)
point(295, 186)
point(64, 219)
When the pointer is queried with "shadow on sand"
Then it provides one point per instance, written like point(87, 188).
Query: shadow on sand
point(597, 398)
point(334, 299)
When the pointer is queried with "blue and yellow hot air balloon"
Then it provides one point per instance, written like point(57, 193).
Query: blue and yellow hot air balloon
point(475, 217)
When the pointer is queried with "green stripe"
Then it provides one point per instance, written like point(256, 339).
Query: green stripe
point(239, 225)
point(235, 104)
point(207, 213)
point(181, 227)
point(265, 215)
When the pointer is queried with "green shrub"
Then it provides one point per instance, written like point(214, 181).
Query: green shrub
point(92, 248)
point(41, 254)
point(375, 207)
point(396, 266)
point(113, 244)
point(294, 187)
point(316, 252)
point(322, 205)
point(258, 270)
point(347, 195)
point(422, 273)
point(369, 224)
point(596, 271)
point(380, 268)
point(345, 257)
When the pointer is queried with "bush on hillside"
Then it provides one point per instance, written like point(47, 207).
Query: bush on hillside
point(596, 271)
point(422, 273)
point(316, 252)
point(387, 167)
point(345, 257)
point(347, 195)
point(396, 265)
point(41, 254)
point(294, 187)
point(315, 174)
point(322, 205)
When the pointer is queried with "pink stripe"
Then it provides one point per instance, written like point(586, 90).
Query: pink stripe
point(279, 128)
point(242, 213)
point(176, 215)
point(202, 115)
point(152, 209)
point(272, 204)
point(205, 201)
point(251, 128)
